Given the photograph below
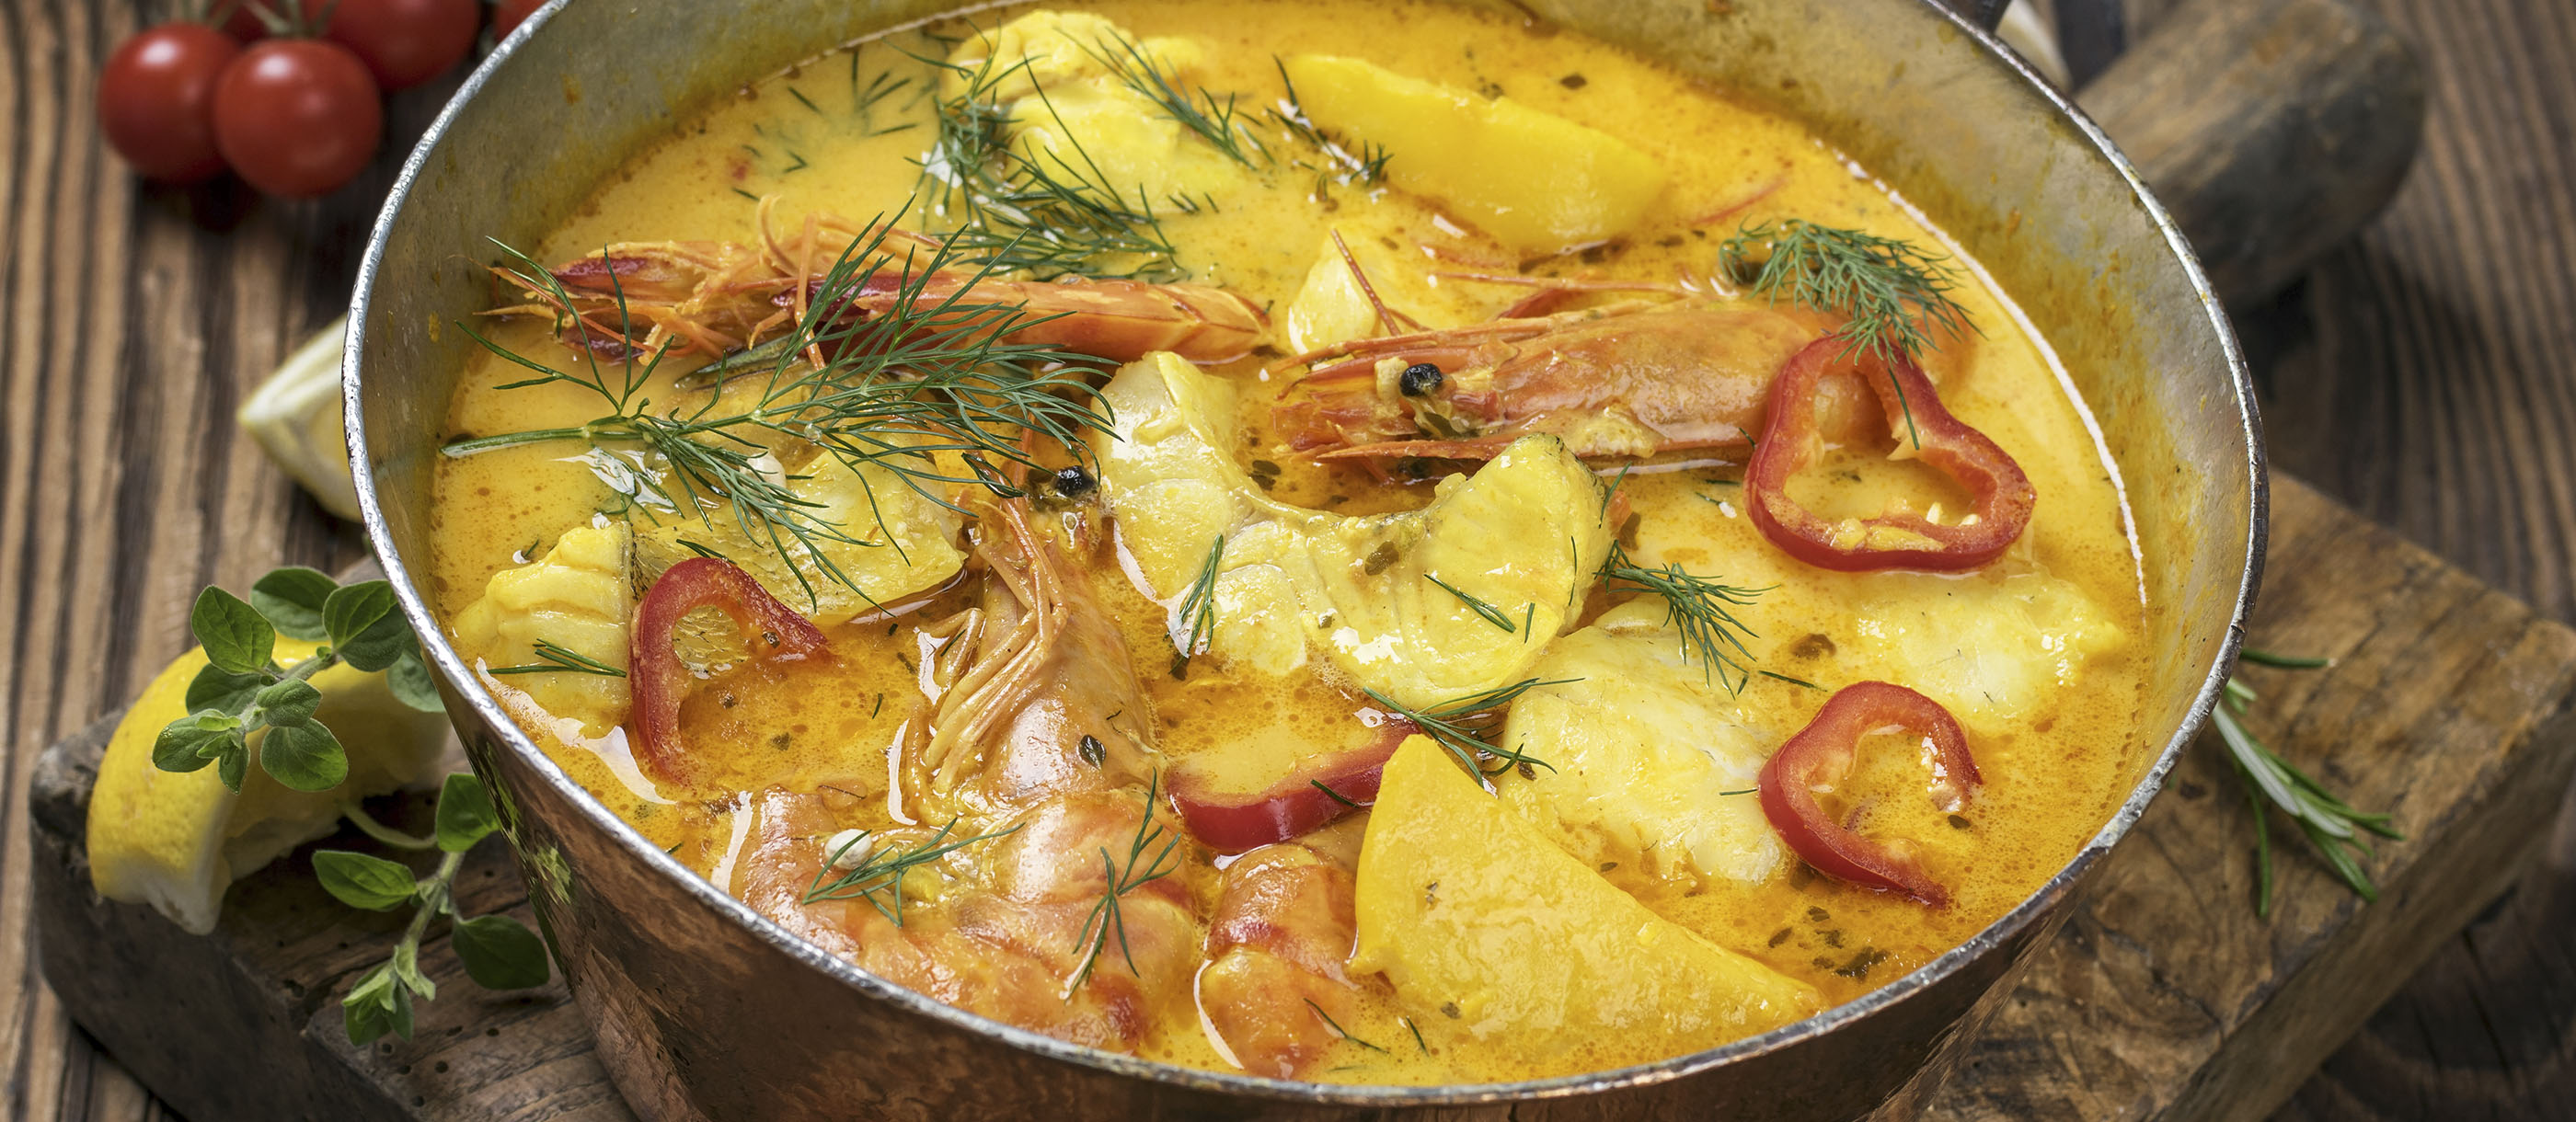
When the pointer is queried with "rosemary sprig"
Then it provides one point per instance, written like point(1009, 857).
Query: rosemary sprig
point(2333, 828)
point(1213, 120)
point(1459, 725)
point(878, 871)
point(1891, 294)
point(1344, 1033)
point(920, 376)
point(553, 657)
point(1490, 613)
point(1198, 606)
point(1046, 217)
point(1139, 871)
point(1700, 608)
point(1368, 165)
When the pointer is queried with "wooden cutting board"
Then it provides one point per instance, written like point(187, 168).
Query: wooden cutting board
point(2163, 997)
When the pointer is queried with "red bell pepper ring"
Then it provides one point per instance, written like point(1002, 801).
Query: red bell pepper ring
point(1823, 750)
point(770, 629)
point(1311, 797)
point(1897, 540)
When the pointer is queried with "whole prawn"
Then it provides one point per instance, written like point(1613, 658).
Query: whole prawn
point(715, 298)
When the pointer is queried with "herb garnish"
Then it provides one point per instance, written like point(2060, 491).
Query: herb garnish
point(553, 657)
point(878, 871)
point(1458, 725)
point(2333, 827)
point(1339, 1031)
point(920, 376)
point(1213, 120)
point(1139, 872)
point(1198, 608)
point(1891, 293)
point(1700, 608)
point(498, 952)
point(243, 690)
point(1490, 613)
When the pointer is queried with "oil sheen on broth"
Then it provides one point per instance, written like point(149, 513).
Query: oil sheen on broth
point(1623, 896)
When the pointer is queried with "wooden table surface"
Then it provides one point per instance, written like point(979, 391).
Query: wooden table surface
point(2425, 375)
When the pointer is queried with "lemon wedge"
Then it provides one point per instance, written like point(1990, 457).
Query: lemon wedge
point(295, 416)
point(177, 840)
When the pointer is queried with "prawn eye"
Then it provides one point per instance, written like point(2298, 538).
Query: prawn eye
point(1073, 482)
point(1419, 379)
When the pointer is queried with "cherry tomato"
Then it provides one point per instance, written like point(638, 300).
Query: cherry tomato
point(156, 100)
point(510, 14)
point(297, 117)
point(403, 42)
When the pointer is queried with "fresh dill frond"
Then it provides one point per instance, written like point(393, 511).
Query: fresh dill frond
point(1198, 605)
point(2333, 828)
point(1339, 1031)
point(552, 658)
point(1892, 295)
point(1139, 871)
point(1490, 613)
point(1460, 725)
point(920, 376)
point(1365, 166)
point(1213, 120)
point(882, 871)
point(1699, 607)
point(1047, 216)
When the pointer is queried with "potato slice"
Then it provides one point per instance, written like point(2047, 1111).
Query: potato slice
point(1539, 182)
point(1524, 535)
point(1509, 949)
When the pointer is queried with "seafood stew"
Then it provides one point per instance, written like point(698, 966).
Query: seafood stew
point(1437, 556)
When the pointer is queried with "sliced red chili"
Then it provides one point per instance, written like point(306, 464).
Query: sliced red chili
point(1823, 751)
point(1317, 792)
point(2002, 495)
point(770, 629)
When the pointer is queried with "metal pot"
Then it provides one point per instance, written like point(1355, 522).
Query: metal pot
point(706, 1010)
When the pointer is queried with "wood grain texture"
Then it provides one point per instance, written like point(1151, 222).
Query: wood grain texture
point(2422, 376)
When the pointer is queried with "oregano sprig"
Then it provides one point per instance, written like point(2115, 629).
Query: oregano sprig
point(244, 690)
point(498, 952)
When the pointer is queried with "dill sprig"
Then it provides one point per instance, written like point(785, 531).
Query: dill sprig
point(1891, 294)
point(880, 871)
point(1046, 217)
point(2333, 828)
point(553, 657)
point(1460, 725)
point(1368, 165)
point(1344, 1033)
point(921, 376)
point(1491, 614)
point(1213, 120)
point(1198, 606)
point(1699, 607)
point(1139, 871)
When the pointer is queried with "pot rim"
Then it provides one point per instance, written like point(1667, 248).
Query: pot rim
point(2049, 895)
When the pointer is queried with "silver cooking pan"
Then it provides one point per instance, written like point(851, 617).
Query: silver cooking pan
point(706, 1010)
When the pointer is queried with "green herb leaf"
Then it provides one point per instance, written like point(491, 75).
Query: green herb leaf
point(236, 638)
point(288, 702)
point(361, 881)
point(406, 964)
point(305, 757)
point(500, 953)
point(233, 765)
point(222, 690)
point(411, 683)
point(364, 627)
point(182, 745)
point(375, 1006)
point(465, 814)
point(292, 599)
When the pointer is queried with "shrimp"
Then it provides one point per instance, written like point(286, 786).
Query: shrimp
point(1275, 984)
point(1632, 378)
point(714, 298)
point(1066, 907)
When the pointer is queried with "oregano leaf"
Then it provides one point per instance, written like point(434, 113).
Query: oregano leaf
point(361, 881)
point(306, 757)
point(291, 598)
point(179, 747)
point(410, 681)
point(500, 953)
point(235, 636)
point(288, 701)
point(222, 690)
point(465, 814)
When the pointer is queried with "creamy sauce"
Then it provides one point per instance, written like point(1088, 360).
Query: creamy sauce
point(2038, 654)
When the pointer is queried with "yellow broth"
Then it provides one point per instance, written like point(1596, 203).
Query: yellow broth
point(2054, 763)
